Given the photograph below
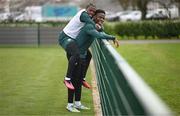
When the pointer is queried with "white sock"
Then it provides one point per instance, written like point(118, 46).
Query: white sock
point(67, 79)
point(70, 104)
point(77, 103)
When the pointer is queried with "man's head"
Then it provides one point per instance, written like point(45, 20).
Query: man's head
point(99, 16)
point(91, 8)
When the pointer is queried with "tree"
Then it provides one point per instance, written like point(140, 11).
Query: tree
point(178, 4)
point(124, 4)
point(134, 4)
point(167, 3)
point(142, 5)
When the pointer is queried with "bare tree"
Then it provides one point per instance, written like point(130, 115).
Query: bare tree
point(134, 4)
point(142, 5)
point(167, 3)
point(178, 4)
point(125, 4)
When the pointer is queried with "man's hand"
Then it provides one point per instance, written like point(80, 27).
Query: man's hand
point(98, 27)
point(116, 43)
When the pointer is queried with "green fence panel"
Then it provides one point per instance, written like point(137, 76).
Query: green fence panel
point(122, 91)
point(31, 35)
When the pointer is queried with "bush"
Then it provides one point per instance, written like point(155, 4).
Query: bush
point(146, 29)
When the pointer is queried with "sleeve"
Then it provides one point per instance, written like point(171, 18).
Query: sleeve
point(99, 35)
point(86, 18)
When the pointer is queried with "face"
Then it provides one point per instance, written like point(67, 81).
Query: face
point(91, 10)
point(99, 18)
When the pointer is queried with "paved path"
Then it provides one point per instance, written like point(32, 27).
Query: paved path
point(148, 41)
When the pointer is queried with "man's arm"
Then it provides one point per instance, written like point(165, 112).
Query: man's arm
point(86, 18)
point(99, 35)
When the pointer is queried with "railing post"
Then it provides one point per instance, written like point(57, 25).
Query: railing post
point(38, 34)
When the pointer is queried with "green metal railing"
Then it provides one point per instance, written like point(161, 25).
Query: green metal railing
point(121, 89)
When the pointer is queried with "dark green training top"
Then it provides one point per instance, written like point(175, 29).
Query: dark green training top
point(86, 37)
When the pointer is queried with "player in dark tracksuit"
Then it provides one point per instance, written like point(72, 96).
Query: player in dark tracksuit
point(84, 39)
point(70, 33)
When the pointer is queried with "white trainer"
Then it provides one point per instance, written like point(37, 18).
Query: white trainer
point(72, 109)
point(81, 107)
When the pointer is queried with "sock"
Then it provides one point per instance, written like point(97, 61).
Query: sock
point(70, 104)
point(77, 103)
point(67, 79)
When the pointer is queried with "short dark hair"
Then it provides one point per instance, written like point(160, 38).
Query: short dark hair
point(90, 4)
point(99, 11)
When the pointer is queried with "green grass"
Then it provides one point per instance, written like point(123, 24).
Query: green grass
point(159, 66)
point(31, 82)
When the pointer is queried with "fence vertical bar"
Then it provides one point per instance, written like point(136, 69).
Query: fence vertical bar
point(38, 34)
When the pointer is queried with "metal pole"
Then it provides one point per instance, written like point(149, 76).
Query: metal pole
point(38, 34)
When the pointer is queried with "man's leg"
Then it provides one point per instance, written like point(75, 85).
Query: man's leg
point(71, 93)
point(70, 105)
point(78, 87)
point(87, 62)
point(73, 59)
point(85, 65)
point(70, 97)
point(77, 81)
point(78, 90)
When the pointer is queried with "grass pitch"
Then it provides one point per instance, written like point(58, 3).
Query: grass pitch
point(31, 78)
point(31, 82)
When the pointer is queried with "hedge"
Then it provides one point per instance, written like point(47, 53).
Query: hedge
point(125, 30)
point(146, 29)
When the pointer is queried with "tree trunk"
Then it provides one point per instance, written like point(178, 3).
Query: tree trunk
point(142, 4)
point(144, 12)
point(179, 9)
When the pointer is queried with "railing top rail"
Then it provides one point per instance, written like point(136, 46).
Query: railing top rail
point(151, 102)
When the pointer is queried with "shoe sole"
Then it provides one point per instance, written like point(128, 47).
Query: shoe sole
point(82, 109)
point(72, 111)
